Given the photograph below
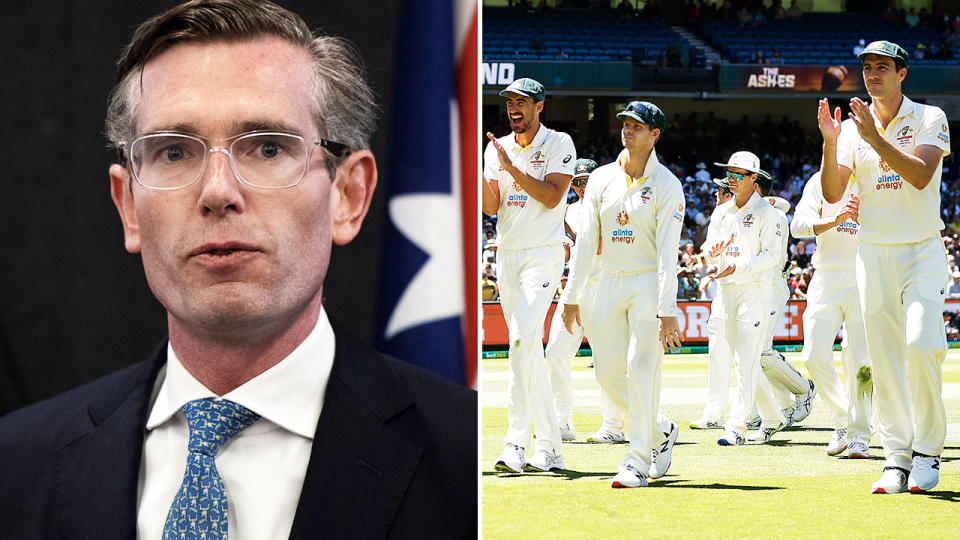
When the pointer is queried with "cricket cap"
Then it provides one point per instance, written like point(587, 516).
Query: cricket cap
point(526, 87)
point(645, 113)
point(886, 48)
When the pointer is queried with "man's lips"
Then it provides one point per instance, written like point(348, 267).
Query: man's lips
point(223, 255)
point(222, 248)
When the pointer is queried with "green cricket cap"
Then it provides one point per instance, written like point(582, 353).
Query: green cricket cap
point(645, 113)
point(583, 167)
point(886, 48)
point(526, 87)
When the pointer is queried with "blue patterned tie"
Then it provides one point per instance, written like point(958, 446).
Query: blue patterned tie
point(200, 508)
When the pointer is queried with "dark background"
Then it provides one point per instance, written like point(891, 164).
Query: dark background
point(74, 305)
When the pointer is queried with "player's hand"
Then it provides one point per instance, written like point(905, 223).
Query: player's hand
point(829, 125)
point(570, 315)
point(863, 118)
point(670, 334)
point(727, 271)
point(717, 249)
point(851, 211)
point(501, 153)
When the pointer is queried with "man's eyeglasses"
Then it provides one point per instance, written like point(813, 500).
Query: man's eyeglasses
point(578, 182)
point(272, 160)
point(736, 176)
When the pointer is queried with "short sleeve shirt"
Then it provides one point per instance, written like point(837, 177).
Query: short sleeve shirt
point(892, 211)
point(522, 221)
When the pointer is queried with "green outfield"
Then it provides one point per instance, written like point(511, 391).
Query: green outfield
point(788, 488)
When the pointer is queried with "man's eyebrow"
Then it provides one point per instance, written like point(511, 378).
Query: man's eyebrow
point(237, 127)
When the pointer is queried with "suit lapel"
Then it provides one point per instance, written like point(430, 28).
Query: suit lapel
point(98, 469)
point(360, 467)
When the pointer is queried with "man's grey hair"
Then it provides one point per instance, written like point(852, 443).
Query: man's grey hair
point(344, 106)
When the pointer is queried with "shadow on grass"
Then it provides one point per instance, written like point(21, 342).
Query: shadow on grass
point(805, 428)
point(683, 484)
point(949, 496)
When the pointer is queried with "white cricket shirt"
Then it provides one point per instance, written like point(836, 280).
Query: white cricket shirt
point(264, 465)
point(638, 224)
point(758, 231)
point(891, 210)
point(836, 247)
point(522, 221)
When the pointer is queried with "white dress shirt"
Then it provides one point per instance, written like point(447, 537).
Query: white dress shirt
point(263, 466)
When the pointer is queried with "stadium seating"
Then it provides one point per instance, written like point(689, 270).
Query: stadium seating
point(816, 38)
point(576, 34)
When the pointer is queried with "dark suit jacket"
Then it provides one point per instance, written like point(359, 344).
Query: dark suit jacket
point(394, 456)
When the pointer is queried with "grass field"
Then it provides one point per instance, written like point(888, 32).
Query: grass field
point(788, 488)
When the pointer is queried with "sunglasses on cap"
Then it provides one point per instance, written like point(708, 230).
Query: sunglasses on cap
point(579, 182)
point(638, 108)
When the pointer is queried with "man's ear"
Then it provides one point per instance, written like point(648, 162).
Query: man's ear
point(352, 192)
point(122, 194)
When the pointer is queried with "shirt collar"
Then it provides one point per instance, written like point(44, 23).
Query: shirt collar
point(537, 139)
point(751, 202)
point(289, 394)
point(648, 169)
point(906, 109)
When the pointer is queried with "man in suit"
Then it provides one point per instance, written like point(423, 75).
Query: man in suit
point(245, 156)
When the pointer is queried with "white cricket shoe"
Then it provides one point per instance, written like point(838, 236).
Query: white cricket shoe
point(567, 433)
point(661, 455)
point(730, 438)
point(629, 477)
point(706, 423)
point(606, 436)
point(763, 434)
point(511, 459)
point(894, 480)
point(925, 473)
point(543, 461)
point(804, 404)
point(838, 442)
point(788, 415)
point(754, 423)
point(858, 450)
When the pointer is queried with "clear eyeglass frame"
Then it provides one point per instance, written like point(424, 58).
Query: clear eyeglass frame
point(335, 148)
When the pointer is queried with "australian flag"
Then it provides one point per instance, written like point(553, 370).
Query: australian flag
point(428, 294)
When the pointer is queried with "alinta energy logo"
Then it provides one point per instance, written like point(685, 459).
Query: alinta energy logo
point(849, 226)
point(888, 178)
point(678, 215)
point(944, 134)
point(624, 236)
point(520, 199)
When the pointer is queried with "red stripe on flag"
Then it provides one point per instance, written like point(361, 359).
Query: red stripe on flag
point(468, 87)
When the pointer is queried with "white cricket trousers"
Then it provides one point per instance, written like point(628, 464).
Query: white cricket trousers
point(627, 355)
point(902, 290)
point(528, 279)
point(832, 301)
point(744, 319)
point(562, 346)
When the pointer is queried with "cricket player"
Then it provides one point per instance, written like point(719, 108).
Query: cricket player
point(562, 345)
point(792, 392)
point(720, 357)
point(527, 174)
point(832, 301)
point(894, 148)
point(635, 207)
point(744, 236)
